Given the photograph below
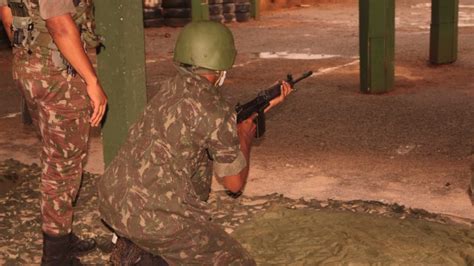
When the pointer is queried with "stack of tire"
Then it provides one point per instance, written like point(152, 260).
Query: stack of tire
point(216, 10)
point(176, 13)
point(152, 14)
point(229, 11)
point(242, 10)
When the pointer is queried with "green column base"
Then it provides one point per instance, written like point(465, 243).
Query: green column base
point(199, 10)
point(377, 45)
point(444, 31)
point(255, 9)
point(443, 43)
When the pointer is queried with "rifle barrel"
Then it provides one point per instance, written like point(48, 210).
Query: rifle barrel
point(305, 75)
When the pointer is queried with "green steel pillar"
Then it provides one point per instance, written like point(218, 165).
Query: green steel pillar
point(255, 9)
point(444, 31)
point(199, 10)
point(121, 67)
point(377, 45)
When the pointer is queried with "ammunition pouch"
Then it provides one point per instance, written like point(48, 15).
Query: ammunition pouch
point(18, 37)
point(30, 32)
point(22, 24)
point(84, 18)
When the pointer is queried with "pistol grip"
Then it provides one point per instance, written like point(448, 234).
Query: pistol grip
point(260, 122)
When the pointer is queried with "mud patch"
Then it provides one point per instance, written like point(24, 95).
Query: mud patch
point(10, 172)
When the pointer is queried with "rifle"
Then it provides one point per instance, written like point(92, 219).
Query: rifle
point(258, 105)
point(262, 101)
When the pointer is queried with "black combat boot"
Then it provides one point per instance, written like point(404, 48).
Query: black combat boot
point(126, 252)
point(57, 251)
point(81, 246)
point(148, 259)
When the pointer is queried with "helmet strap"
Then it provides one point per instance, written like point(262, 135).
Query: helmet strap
point(220, 80)
point(201, 70)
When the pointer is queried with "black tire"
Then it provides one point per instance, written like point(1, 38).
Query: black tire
point(176, 22)
point(242, 8)
point(154, 22)
point(149, 13)
point(159, 12)
point(229, 17)
point(215, 10)
point(228, 8)
point(177, 12)
point(176, 4)
point(242, 17)
point(217, 18)
point(215, 2)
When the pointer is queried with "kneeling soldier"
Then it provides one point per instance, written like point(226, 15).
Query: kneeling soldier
point(153, 194)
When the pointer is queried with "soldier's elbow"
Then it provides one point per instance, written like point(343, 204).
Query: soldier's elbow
point(233, 183)
point(60, 26)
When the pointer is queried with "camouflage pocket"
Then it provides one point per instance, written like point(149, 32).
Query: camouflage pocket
point(57, 60)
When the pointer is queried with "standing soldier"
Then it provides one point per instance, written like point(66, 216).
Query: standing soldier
point(47, 36)
point(153, 193)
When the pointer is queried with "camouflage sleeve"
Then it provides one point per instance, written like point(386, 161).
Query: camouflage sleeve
point(3, 2)
point(224, 148)
point(54, 8)
point(228, 169)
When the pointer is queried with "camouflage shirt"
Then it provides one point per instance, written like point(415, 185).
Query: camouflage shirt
point(147, 192)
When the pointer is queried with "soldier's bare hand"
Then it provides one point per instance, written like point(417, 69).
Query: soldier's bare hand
point(98, 102)
point(286, 89)
point(246, 129)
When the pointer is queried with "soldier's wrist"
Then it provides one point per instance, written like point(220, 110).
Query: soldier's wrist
point(92, 81)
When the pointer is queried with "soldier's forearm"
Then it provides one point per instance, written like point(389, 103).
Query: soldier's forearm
point(67, 38)
point(7, 20)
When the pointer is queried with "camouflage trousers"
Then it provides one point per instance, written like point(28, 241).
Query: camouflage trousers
point(199, 242)
point(60, 110)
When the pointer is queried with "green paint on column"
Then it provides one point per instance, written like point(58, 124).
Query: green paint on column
point(121, 68)
point(377, 45)
point(255, 9)
point(444, 31)
point(199, 10)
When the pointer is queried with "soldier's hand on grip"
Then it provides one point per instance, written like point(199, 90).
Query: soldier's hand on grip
point(286, 89)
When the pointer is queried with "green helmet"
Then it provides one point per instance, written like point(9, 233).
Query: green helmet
point(206, 44)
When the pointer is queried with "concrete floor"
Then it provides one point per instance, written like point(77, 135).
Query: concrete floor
point(411, 146)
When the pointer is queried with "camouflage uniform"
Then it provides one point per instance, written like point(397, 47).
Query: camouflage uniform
point(152, 192)
point(59, 106)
